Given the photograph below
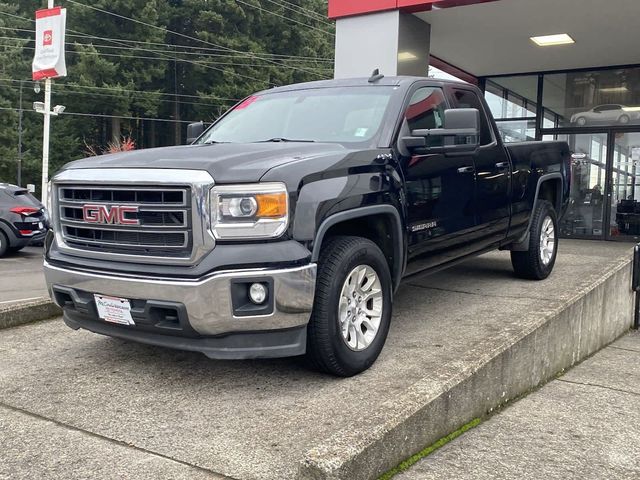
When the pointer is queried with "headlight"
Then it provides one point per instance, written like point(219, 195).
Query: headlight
point(249, 211)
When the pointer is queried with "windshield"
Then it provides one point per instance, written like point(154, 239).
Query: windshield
point(339, 115)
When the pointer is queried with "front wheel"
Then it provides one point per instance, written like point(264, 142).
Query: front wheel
point(352, 307)
point(538, 261)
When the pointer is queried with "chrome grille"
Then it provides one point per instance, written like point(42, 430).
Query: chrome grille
point(164, 223)
point(123, 195)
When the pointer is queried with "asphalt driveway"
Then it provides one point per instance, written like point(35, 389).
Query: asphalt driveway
point(22, 277)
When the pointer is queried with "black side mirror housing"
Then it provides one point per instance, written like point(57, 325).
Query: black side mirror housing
point(194, 130)
point(460, 134)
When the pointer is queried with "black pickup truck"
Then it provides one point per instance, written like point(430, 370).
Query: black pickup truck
point(286, 227)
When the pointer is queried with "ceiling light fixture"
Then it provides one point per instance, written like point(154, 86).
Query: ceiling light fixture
point(551, 40)
point(614, 90)
point(405, 56)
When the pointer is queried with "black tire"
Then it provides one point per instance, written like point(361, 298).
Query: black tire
point(4, 244)
point(15, 249)
point(581, 121)
point(624, 120)
point(530, 264)
point(327, 350)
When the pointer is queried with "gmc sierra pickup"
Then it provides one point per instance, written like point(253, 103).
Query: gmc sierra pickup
point(286, 227)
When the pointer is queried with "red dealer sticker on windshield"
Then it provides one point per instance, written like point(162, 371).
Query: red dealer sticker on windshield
point(247, 103)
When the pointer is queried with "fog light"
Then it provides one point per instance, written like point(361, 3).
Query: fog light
point(258, 293)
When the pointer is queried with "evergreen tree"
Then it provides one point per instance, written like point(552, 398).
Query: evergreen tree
point(123, 71)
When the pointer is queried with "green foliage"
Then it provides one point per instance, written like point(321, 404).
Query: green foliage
point(143, 71)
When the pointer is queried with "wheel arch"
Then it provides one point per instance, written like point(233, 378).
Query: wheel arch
point(381, 224)
point(550, 187)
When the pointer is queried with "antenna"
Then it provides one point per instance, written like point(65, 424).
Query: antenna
point(375, 76)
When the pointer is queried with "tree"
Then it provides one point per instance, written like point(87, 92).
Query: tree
point(124, 73)
point(11, 59)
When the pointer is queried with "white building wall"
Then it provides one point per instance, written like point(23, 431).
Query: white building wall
point(394, 42)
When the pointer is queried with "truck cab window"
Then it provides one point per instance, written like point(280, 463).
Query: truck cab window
point(468, 99)
point(426, 109)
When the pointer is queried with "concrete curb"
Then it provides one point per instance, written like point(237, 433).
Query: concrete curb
point(503, 367)
point(32, 311)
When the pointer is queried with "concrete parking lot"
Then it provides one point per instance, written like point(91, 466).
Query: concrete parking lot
point(21, 276)
point(78, 405)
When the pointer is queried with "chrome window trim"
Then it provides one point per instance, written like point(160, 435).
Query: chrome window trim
point(199, 182)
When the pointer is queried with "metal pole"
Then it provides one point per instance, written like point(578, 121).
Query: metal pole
point(45, 140)
point(20, 138)
point(45, 134)
point(635, 285)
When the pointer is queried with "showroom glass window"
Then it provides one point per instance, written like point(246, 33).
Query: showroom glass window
point(585, 215)
point(605, 98)
point(512, 101)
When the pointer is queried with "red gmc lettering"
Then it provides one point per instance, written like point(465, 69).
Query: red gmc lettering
point(115, 215)
point(127, 221)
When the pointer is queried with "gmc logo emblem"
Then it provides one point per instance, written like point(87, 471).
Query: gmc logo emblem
point(115, 215)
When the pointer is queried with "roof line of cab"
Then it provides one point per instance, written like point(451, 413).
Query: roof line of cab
point(360, 82)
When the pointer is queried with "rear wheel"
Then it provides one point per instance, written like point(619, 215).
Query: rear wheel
point(537, 263)
point(352, 307)
point(4, 244)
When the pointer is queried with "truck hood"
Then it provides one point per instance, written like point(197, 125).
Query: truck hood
point(227, 163)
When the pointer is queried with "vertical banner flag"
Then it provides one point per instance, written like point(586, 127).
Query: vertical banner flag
point(49, 61)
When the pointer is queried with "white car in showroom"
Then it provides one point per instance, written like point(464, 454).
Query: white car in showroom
point(606, 115)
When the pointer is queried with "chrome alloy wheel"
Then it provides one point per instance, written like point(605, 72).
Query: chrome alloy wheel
point(547, 241)
point(360, 308)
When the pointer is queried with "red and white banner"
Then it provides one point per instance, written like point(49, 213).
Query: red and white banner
point(49, 61)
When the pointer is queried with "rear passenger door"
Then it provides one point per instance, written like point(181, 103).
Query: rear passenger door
point(493, 172)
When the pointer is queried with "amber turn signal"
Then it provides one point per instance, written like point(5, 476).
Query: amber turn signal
point(271, 205)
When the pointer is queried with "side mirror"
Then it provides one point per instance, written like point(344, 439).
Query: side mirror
point(460, 134)
point(194, 130)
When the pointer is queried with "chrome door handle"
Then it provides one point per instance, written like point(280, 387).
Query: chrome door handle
point(466, 170)
point(502, 165)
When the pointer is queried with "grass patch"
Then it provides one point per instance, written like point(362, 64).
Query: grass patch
point(408, 463)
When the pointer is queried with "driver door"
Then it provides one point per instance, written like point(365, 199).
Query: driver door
point(439, 189)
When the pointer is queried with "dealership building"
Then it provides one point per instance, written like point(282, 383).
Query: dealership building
point(550, 69)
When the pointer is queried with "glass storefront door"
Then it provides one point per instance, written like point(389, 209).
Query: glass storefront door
point(597, 112)
point(625, 187)
point(585, 215)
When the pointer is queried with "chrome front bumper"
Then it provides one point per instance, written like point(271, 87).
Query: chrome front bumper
point(207, 301)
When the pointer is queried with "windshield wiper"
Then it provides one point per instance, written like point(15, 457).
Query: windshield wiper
point(284, 140)
point(212, 142)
